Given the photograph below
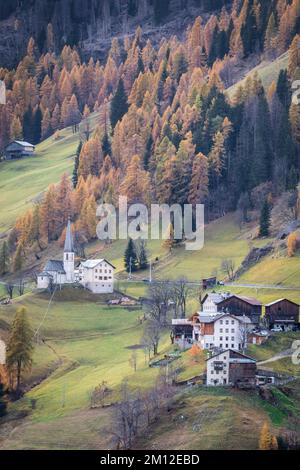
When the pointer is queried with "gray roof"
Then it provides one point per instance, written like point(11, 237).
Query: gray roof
point(213, 319)
point(215, 297)
point(233, 355)
point(69, 245)
point(93, 263)
point(23, 143)
point(55, 266)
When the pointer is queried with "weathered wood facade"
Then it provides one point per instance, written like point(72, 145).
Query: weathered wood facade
point(282, 311)
point(18, 149)
point(239, 306)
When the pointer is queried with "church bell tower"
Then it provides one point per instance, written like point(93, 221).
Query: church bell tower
point(69, 255)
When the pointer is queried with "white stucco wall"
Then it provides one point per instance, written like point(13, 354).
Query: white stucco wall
point(227, 334)
point(215, 378)
point(209, 307)
point(99, 280)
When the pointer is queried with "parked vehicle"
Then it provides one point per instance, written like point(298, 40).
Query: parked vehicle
point(276, 329)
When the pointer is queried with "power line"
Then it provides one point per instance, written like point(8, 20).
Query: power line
point(46, 312)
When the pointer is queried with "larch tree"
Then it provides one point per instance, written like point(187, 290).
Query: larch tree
point(292, 244)
point(198, 189)
point(265, 440)
point(19, 348)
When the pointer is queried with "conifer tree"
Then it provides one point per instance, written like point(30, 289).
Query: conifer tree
point(18, 258)
point(76, 165)
point(4, 259)
point(141, 252)
point(130, 257)
point(119, 104)
point(265, 217)
point(106, 145)
point(170, 241)
point(161, 10)
point(20, 347)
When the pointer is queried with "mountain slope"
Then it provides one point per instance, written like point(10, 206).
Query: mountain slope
point(90, 24)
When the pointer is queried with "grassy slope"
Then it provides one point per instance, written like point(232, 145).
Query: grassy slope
point(22, 181)
point(267, 71)
point(91, 344)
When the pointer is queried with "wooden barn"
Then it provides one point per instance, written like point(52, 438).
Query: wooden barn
point(18, 149)
point(283, 313)
point(209, 283)
point(239, 305)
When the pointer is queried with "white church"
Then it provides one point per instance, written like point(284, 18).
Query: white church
point(96, 275)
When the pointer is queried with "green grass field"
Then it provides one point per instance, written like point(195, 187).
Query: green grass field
point(23, 181)
point(267, 72)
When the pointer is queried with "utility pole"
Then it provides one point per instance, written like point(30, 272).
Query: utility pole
point(150, 273)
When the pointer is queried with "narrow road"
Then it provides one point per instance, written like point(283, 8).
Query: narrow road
point(282, 355)
point(227, 284)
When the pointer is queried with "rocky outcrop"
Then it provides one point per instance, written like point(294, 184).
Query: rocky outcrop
point(255, 255)
point(90, 23)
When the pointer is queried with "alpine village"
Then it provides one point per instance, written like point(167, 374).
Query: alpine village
point(138, 343)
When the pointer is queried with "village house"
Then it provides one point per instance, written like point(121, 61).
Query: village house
point(182, 332)
point(95, 275)
point(282, 313)
point(223, 331)
point(210, 303)
point(238, 305)
point(18, 149)
point(231, 368)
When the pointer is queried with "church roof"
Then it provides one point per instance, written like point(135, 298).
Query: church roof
point(55, 266)
point(69, 245)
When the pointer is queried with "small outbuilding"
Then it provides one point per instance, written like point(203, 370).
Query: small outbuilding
point(18, 149)
point(282, 313)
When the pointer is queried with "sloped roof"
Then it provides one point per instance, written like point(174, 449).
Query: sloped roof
point(281, 300)
point(232, 355)
point(23, 143)
point(216, 297)
point(213, 319)
point(249, 300)
point(55, 266)
point(93, 263)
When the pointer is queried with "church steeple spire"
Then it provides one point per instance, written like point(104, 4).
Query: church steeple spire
point(69, 255)
point(69, 245)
